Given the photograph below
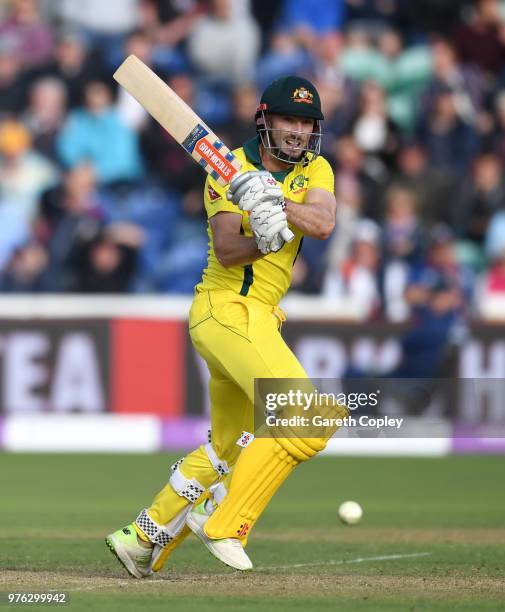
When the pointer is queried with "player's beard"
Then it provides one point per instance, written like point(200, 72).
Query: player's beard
point(291, 144)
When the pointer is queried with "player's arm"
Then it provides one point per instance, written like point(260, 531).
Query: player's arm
point(230, 246)
point(316, 216)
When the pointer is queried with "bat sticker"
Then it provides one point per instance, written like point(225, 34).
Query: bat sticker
point(193, 137)
point(216, 161)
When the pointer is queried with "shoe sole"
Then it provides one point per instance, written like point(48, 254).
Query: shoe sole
point(117, 550)
point(199, 532)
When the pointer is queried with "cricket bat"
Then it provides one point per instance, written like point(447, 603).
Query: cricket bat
point(181, 122)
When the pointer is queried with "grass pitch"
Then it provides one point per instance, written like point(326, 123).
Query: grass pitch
point(432, 537)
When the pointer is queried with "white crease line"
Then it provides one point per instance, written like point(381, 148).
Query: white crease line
point(345, 561)
point(123, 583)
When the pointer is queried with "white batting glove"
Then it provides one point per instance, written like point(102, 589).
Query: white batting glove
point(267, 221)
point(252, 188)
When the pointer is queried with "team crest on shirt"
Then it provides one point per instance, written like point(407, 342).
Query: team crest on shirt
point(213, 194)
point(303, 95)
point(297, 185)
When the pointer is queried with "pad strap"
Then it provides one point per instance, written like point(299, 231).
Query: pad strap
point(156, 533)
point(218, 492)
point(219, 465)
point(189, 488)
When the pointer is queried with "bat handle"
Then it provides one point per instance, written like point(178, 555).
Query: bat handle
point(287, 235)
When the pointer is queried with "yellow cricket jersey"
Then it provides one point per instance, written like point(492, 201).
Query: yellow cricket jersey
point(268, 278)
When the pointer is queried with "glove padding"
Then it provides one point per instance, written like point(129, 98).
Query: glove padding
point(267, 221)
point(250, 189)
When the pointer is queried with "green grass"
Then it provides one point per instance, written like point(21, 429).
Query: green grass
point(56, 510)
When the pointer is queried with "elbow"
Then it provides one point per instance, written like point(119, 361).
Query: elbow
point(226, 263)
point(325, 231)
point(222, 258)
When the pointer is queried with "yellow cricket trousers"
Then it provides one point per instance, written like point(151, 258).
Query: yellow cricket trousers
point(239, 338)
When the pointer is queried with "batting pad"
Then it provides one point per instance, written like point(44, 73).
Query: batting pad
point(261, 469)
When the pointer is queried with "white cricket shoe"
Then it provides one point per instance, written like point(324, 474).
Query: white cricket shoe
point(227, 550)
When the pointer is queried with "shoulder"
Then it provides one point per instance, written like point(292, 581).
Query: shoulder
point(240, 153)
point(320, 163)
point(321, 168)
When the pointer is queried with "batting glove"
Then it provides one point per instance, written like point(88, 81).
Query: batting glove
point(250, 189)
point(267, 221)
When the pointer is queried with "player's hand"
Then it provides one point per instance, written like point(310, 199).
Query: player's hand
point(250, 189)
point(268, 220)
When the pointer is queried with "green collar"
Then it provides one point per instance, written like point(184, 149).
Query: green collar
point(252, 151)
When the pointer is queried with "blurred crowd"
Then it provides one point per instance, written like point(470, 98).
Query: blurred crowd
point(96, 198)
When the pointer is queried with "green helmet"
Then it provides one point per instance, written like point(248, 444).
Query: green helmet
point(293, 96)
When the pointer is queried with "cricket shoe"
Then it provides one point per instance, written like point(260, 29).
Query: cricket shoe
point(124, 545)
point(228, 550)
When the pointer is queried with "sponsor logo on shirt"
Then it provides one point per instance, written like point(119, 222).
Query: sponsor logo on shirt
point(213, 194)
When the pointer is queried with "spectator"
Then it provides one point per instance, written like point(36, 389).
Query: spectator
point(481, 196)
point(480, 41)
point(103, 24)
point(402, 231)
point(490, 290)
point(96, 16)
point(326, 65)
point(76, 194)
point(266, 13)
point(309, 19)
point(355, 190)
point(466, 83)
point(493, 282)
point(284, 56)
point(179, 269)
point(24, 173)
point(168, 22)
point(70, 214)
point(96, 134)
point(431, 16)
point(374, 132)
point(107, 263)
point(406, 72)
point(360, 60)
point(402, 249)
point(75, 65)
point(14, 230)
point(12, 80)
point(494, 243)
point(234, 41)
point(450, 142)
point(239, 130)
point(27, 270)
point(375, 14)
point(433, 188)
point(436, 292)
point(498, 137)
point(31, 37)
point(357, 277)
point(45, 114)
point(339, 93)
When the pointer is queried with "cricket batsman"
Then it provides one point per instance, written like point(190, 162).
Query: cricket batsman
point(219, 490)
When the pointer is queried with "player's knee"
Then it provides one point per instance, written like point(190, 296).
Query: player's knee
point(302, 449)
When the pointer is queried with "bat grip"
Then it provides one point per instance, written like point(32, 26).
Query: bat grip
point(287, 234)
